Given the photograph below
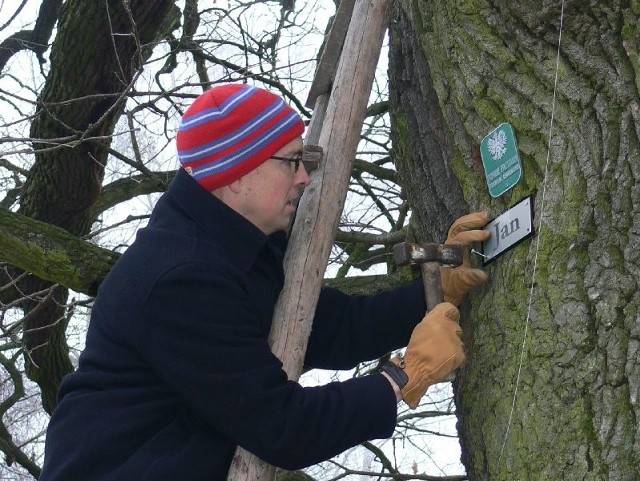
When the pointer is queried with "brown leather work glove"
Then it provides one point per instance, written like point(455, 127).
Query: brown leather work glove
point(456, 283)
point(435, 349)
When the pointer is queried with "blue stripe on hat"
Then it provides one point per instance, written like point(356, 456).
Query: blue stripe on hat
point(217, 113)
point(244, 154)
point(200, 152)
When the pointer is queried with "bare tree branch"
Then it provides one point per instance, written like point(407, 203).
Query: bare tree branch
point(53, 254)
point(35, 40)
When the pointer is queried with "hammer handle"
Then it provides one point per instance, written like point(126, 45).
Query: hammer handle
point(433, 293)
point(432, 284)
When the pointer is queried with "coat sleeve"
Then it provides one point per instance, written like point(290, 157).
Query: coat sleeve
point(348, 330)
point(202, 337)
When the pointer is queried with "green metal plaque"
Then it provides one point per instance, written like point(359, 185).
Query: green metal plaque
point(501, 159)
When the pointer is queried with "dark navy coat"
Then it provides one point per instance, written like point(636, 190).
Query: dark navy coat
point(177, 370)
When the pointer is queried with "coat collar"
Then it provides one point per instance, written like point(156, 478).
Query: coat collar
point(219, 223)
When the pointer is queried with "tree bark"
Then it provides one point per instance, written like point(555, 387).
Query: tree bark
point(550, 391)
point(81, 101)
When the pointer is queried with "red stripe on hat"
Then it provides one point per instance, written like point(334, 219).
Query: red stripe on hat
point(246, 142)
point(226, 177)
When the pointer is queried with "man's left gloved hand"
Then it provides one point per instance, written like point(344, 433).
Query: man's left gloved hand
point(435, 350)
point(456, 283)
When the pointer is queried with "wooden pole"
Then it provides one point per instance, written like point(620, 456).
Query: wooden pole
point(321, 206)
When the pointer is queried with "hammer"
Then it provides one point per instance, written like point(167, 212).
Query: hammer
point(430, 257)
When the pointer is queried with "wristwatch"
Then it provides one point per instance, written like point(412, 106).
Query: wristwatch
point(396, 373)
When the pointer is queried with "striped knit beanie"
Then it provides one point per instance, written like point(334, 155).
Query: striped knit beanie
point(230, 130)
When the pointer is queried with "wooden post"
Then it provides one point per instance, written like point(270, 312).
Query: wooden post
point(321, 206)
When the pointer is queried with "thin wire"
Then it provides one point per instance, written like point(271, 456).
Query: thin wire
point(535, 260)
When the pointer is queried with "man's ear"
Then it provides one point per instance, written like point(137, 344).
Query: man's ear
point(235, 186)
point(227, 192)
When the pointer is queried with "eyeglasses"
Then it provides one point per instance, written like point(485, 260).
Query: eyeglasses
point(295, 160)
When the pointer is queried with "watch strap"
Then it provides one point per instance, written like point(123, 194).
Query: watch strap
point(396, 373)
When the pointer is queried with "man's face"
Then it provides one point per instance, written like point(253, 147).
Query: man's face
point(270, 193)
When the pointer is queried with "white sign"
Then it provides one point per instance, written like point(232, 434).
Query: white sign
point(508, 230)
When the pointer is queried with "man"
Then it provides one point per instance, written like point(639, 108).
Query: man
point(177, 370)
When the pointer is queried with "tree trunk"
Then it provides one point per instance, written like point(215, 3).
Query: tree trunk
point(551, 386)
point(64, 182)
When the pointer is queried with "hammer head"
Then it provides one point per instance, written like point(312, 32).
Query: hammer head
point(446, 255)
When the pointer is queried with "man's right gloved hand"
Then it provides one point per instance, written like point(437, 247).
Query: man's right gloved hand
point(456, 283)
point(435, 349)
